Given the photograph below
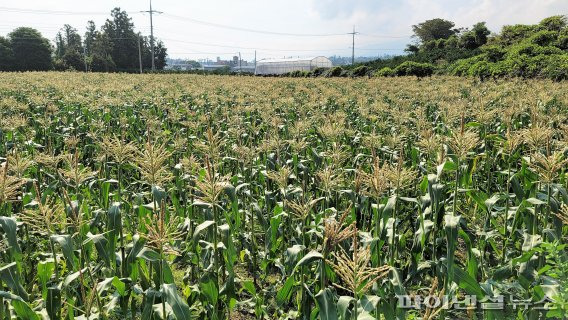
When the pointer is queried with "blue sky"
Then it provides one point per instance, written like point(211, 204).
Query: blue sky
point(384, 25)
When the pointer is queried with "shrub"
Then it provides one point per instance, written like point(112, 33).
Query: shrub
point(317, 72)
point(360, 71)
point(532, 50)
point(543, 38)
point(555, 68)
point(411, 68)
point(494, 53)
point(554, 23)
point(334, 72)
point(562, 42)
point(502, 69)
point(296, 74)
point(481, 69)
point(385, 72)
point(461, 67)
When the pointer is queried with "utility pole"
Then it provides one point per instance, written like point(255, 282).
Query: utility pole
point(240, 64)
point(353, 47)
point(151, 12)
point(139, 53)
point(254, 61)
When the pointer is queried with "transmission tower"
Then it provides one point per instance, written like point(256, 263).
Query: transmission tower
point(353, 45)
point(151, 12)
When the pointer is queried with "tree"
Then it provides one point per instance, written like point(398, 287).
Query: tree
point(6, 55)
point(120, 31)
point(59, 45)
point(160, 55)
point(412, 48)
point(31, 50)
point(514, 34)
point(69, 49)
point(434, 29)
point(481, 33)
point(90, 36)
point(554, 23)
point(72, 37)
point(476, 37)
point(101, 58)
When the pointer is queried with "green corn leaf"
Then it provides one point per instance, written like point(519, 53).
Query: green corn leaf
point(11, 277)
point(137, 247)
point(66, 243)
point(119, 285)
point(369, 303)
point(201, 228)
point(45, 270)
point(102, 246)
point(53, 302)
point(10, 229)
point(343, 305)
point(151, 296)
point(209, 289)
point(396, 281)
point(159, 194)
point(176, 302)
point(467, 283)
point(114, 225)
point(283, 295)
point(309, 258)
point(22, 308)
point(326, 305)
point(292, 255)
point(148, 254)
point(249, 287)
point(72, 277)
point(531, 241)
point(103, 286)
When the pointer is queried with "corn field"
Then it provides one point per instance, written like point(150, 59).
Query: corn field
point(210, 197)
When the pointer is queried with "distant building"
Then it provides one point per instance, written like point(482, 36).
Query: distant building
point(280, 66)
point(181, 67)
point(243, 68)
point(213, 67)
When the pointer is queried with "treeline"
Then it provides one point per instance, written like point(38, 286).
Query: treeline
point(407, 68)
point(115, 47)
point(527, 51)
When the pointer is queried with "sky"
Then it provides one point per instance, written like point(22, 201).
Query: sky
point(275, 28)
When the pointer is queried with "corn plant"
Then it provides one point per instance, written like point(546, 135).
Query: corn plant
point(217, 197)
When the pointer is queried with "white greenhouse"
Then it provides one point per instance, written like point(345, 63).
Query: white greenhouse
point(280, 66)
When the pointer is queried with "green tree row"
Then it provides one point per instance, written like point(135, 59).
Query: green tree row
point(115, 47)
point(528, 51)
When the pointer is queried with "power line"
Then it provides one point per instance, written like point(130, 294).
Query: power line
point(269, 49)
point(384, 36)
point(223, 26)
point(217, 25)
point(196, 21)
point(51, 12)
